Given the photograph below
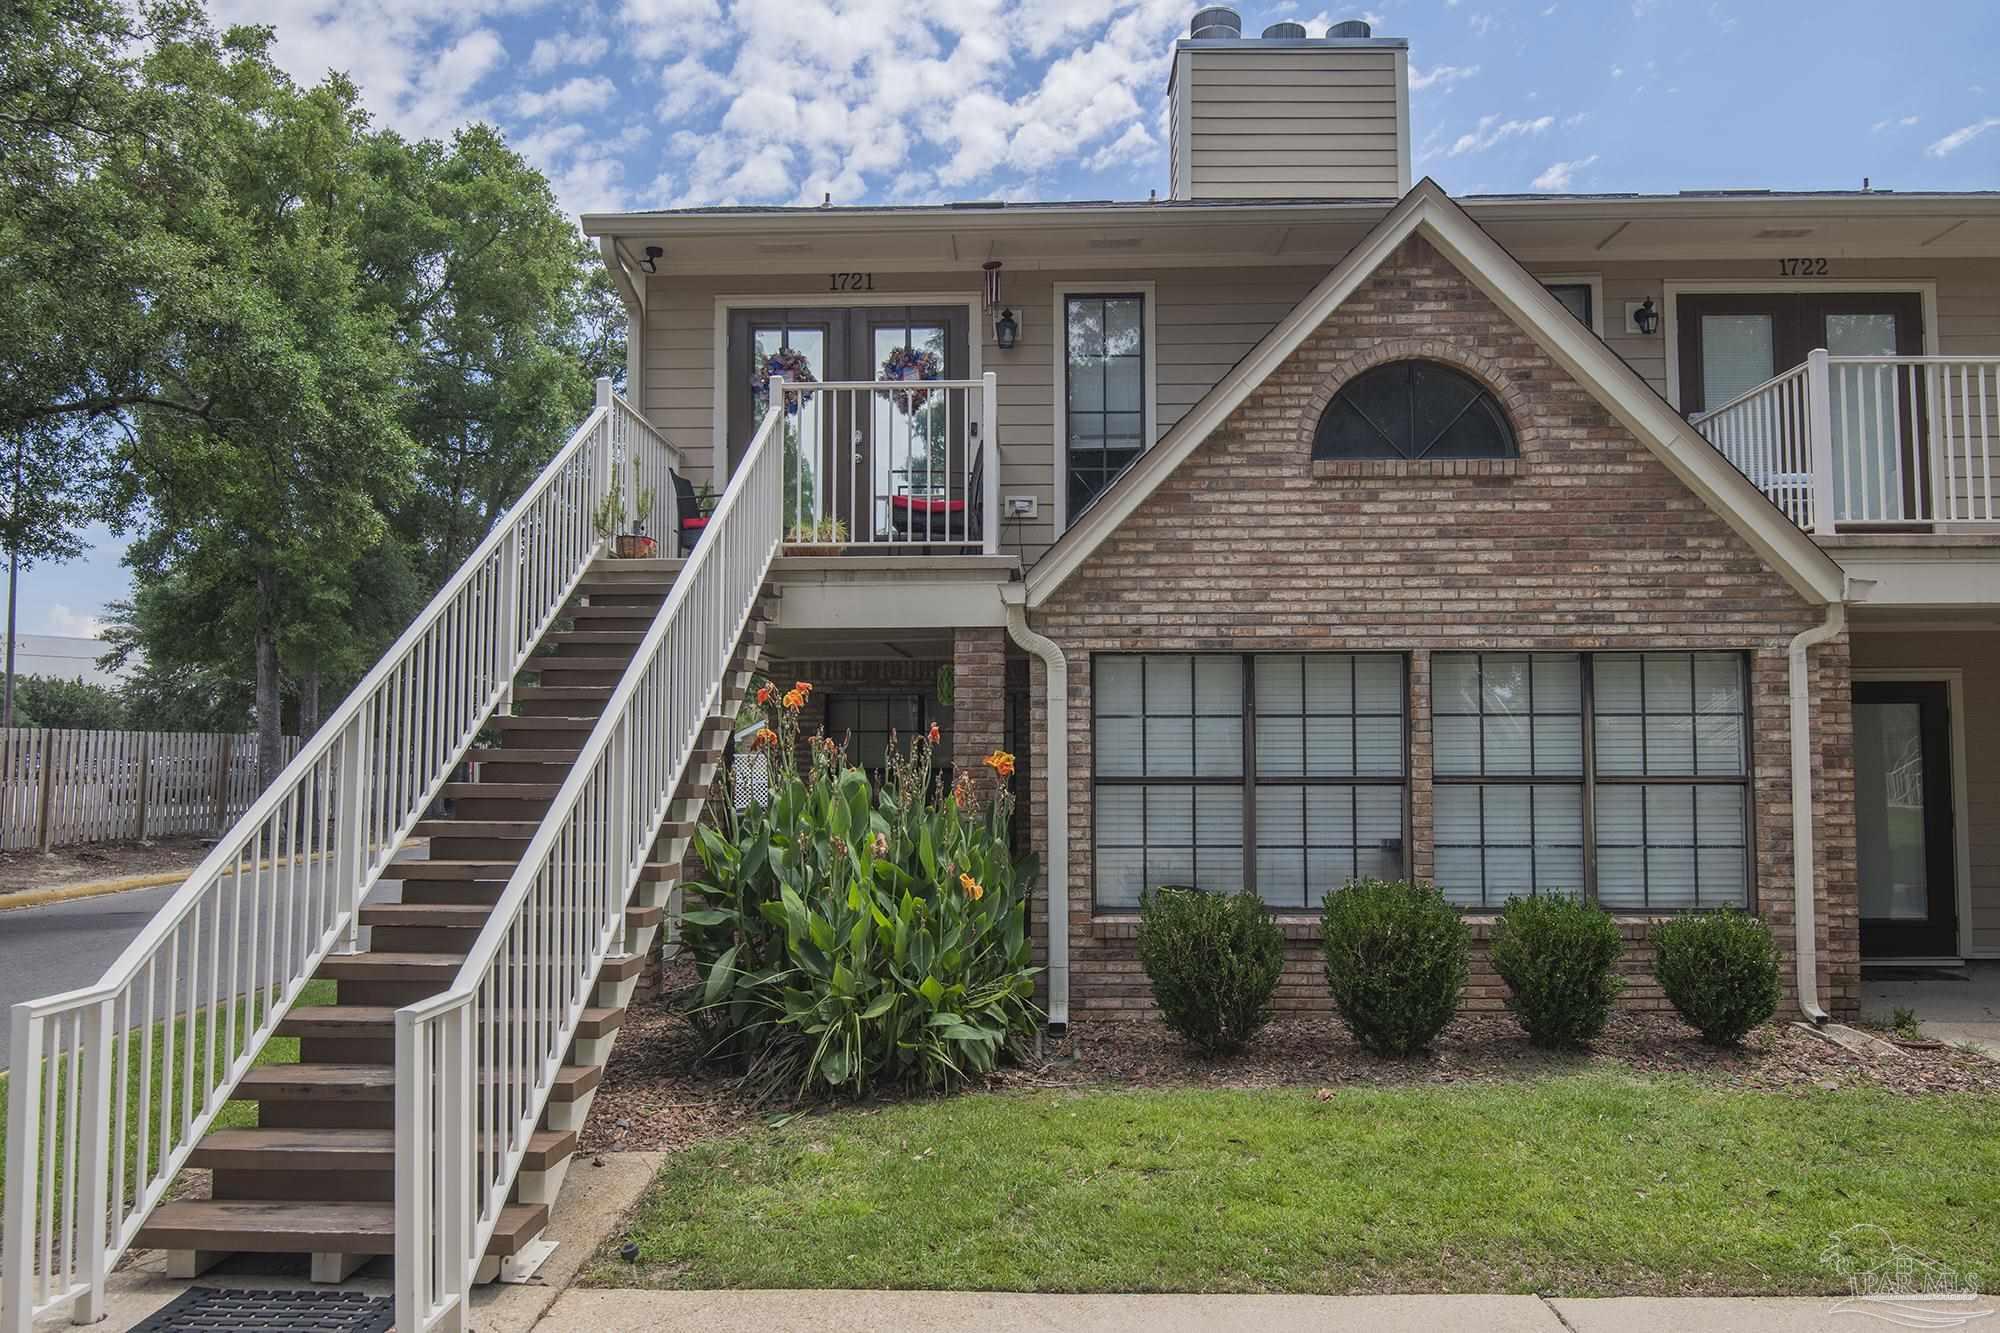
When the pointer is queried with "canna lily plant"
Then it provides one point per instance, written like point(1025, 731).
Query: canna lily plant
point(851, 937)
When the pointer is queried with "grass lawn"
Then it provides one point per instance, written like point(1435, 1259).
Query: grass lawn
point(279, 1050)
point(1580, 1184)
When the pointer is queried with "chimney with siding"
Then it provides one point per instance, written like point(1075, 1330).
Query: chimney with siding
point(1285, 116)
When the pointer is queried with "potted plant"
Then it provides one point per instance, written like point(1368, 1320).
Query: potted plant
point(609, 517)
point(815, 538)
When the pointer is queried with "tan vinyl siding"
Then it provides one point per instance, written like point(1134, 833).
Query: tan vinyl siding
point(1287, 124)
point(1977, 654)
point(1206, 320)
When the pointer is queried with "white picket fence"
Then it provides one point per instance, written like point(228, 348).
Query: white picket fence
point(59, 788)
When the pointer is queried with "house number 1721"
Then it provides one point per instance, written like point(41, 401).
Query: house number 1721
point(850, 282)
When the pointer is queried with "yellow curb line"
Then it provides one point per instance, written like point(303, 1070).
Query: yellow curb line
point(97, 888)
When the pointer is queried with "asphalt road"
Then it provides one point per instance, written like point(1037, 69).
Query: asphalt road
point(46, 950)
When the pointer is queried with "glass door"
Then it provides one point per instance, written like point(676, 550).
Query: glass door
point(1903, 819)
point(807, 344)
point(912, 460)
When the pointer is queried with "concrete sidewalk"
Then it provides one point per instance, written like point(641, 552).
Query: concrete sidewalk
point(605, 1311)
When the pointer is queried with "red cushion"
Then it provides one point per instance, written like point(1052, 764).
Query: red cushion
point(698, 521)
point(927, 506)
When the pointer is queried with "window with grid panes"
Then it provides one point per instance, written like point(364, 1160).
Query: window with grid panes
point(1282, 771)
point(1620, 776)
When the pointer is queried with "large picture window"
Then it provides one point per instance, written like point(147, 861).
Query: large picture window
point(1619, 776)
point(1283, 772)
point(1104, 387)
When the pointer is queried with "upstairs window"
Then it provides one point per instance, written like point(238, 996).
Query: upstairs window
point(1105, 391)
point(1413, 410)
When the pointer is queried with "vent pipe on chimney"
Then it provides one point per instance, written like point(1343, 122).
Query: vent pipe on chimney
point(1285, 32)
point(1216, 22)
point(1350, 28)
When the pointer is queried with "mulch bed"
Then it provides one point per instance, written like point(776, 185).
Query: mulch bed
point(657, 1095)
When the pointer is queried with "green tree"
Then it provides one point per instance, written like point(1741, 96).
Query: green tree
point(50, 701)
point(269, 477)
point(82, 258)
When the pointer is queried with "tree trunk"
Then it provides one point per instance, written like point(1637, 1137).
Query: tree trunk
point(309, 705)
point(270, 712)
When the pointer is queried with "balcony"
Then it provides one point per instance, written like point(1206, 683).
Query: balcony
point(1872, 443)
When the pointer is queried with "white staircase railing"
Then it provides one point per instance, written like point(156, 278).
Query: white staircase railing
point(475, 1064)
point(113, 1085)
point(1870, 441)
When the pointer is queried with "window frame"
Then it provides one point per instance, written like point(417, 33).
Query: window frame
point(1485, 400)
point(1593, 281)
point(1248, 779)
point(1591, 778)
point(1148, 371)
point(927, 713)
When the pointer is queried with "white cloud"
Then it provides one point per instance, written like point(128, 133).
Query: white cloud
point(1440, 75)
point(657, 27)
point(1893, 122)
point(61, 619)
point(1959, 138)
point(1135, 146)
point(1483, 23)
point(566, 48)
point(1617, 71)
point(1558, 176)
point(1492, 130)
point(573, 98)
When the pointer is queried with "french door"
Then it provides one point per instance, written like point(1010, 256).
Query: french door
point(858, 453)
point(1903, 819)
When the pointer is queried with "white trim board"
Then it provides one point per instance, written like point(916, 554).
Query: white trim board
point(1059, 391)
point(1428, 211)
point(975, 338)
point(1672, 289)
point(1961, 822)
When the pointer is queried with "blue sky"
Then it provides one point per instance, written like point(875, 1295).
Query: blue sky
point(662, 103)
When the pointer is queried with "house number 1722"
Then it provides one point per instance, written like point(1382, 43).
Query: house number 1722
point(850, 282)
point(1802, 268)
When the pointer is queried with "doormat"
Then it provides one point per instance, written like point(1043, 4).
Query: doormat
point(215, 1310)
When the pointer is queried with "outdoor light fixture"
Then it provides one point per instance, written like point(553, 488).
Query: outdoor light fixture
point(1006, 326)
point(1646, 319)
point(651, 263)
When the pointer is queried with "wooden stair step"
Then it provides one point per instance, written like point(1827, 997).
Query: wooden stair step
point(403, 871)
point(524, 755)
point(600, 638)
point(562, 693)
point(260, 1149)
point(338, 1020)
point(550, 662)
point(343, 1083)
point(382, 966)
point(286, 1227)
point(584, 614)
point(516, 722)
point(442, 916)
point(477, 828)
point(511, 791)
point(599, 1022)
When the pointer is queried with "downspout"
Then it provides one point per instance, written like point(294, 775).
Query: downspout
point(1805, 945)
point(1055, 762)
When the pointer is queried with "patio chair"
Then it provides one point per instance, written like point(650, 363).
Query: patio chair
point(693, 517)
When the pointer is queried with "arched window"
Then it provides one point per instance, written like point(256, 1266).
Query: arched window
point(1413, 410)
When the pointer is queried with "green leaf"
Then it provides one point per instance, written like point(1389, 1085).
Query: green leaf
point(706, 916)
point(882, 1005)
point(721, 975)
point(932, 990)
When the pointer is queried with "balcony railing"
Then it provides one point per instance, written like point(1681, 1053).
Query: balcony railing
point(1861, 442)
point(875, 467)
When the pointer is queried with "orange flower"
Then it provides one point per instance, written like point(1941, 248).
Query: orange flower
point(1001, 763)
point(973, 888)
point(961, 790)
point(763, 694)
point(935, 734)
point(794, 701)
point(802, 688)
point(765, 739)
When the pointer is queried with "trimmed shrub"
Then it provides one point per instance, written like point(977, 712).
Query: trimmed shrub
point(1720, 969)
point(1556, 956)
point(1214, 961)
point(1395, 962)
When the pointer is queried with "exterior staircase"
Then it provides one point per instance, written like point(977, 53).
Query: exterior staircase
point(317, 1174)
point(569, 712)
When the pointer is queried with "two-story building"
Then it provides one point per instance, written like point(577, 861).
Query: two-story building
point(1308, 523)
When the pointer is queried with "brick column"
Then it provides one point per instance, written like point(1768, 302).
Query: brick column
point(979, 700)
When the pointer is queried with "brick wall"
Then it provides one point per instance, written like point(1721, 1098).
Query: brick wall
point(1585, 542)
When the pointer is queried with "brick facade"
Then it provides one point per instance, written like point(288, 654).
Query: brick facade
point(1586, 542)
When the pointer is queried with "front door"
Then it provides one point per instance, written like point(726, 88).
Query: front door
point(1903, 819)
point(856, 451)
point(1733, 341)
